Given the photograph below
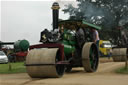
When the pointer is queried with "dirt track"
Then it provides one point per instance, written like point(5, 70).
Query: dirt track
point(104, 76)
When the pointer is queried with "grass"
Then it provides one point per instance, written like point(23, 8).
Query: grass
point(122, 70)
point(17, 67)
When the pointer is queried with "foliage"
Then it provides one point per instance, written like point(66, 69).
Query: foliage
point(122, 70)
point(107, 13)
point(16, 68)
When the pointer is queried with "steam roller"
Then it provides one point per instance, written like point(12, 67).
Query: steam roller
point(120, 50)
point(68, 45)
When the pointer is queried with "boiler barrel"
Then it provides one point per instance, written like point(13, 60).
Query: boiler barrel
point(21, 45)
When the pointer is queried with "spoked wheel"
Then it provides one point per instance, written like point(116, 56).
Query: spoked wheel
point(90, 57)
point(60, 68)
point(68, 69)
point(43, 63)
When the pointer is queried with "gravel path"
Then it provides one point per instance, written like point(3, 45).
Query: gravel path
point(104, 76)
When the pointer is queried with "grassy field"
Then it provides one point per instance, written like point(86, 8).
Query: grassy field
point(17, 67)
point(122, 70)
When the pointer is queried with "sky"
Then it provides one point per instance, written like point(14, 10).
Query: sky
point(26, 19)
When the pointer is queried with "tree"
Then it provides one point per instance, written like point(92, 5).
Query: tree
point(107, 13)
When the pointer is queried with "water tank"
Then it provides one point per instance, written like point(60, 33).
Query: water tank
point(21, 45)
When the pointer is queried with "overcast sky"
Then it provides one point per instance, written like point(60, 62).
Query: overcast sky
point(26, 19)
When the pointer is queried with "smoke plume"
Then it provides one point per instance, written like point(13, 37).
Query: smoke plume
point(64, 3)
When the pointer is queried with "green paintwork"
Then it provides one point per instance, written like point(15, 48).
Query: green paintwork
point(91, 25)
point(68, 49)
point(90, 56)
point(68, 42)
point(21, 45)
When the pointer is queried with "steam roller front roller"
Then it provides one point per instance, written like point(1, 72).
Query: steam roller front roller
point(90, 57)
point(119, 54)
point(43, 63)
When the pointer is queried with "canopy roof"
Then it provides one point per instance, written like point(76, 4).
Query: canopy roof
point(79, 23)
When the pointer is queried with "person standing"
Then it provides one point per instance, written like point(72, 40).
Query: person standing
point(96, 37)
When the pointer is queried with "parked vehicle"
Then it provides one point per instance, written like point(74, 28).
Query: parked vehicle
point(3, 57)
point(105, 48)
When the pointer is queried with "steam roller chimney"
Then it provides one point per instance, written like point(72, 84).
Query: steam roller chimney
point(55, 12)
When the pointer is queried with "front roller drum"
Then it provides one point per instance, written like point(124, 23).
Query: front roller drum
point(43, 63)
point(119, 54)
point(90, 57)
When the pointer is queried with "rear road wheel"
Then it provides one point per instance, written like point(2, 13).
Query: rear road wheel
point(90, 57)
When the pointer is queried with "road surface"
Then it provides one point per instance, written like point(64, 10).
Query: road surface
point(104, 76)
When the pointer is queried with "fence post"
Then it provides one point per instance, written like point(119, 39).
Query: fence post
point(126, 63)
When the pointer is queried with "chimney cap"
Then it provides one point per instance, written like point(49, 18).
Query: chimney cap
point(55, 5)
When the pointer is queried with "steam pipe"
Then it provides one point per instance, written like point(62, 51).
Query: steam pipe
point(55, 11)
point(6, 43)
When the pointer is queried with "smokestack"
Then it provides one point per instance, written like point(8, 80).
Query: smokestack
point(55, 10)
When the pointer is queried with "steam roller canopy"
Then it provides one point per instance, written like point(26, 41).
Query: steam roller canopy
point(119, 54)
point(90, 57)
point(42, 63)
